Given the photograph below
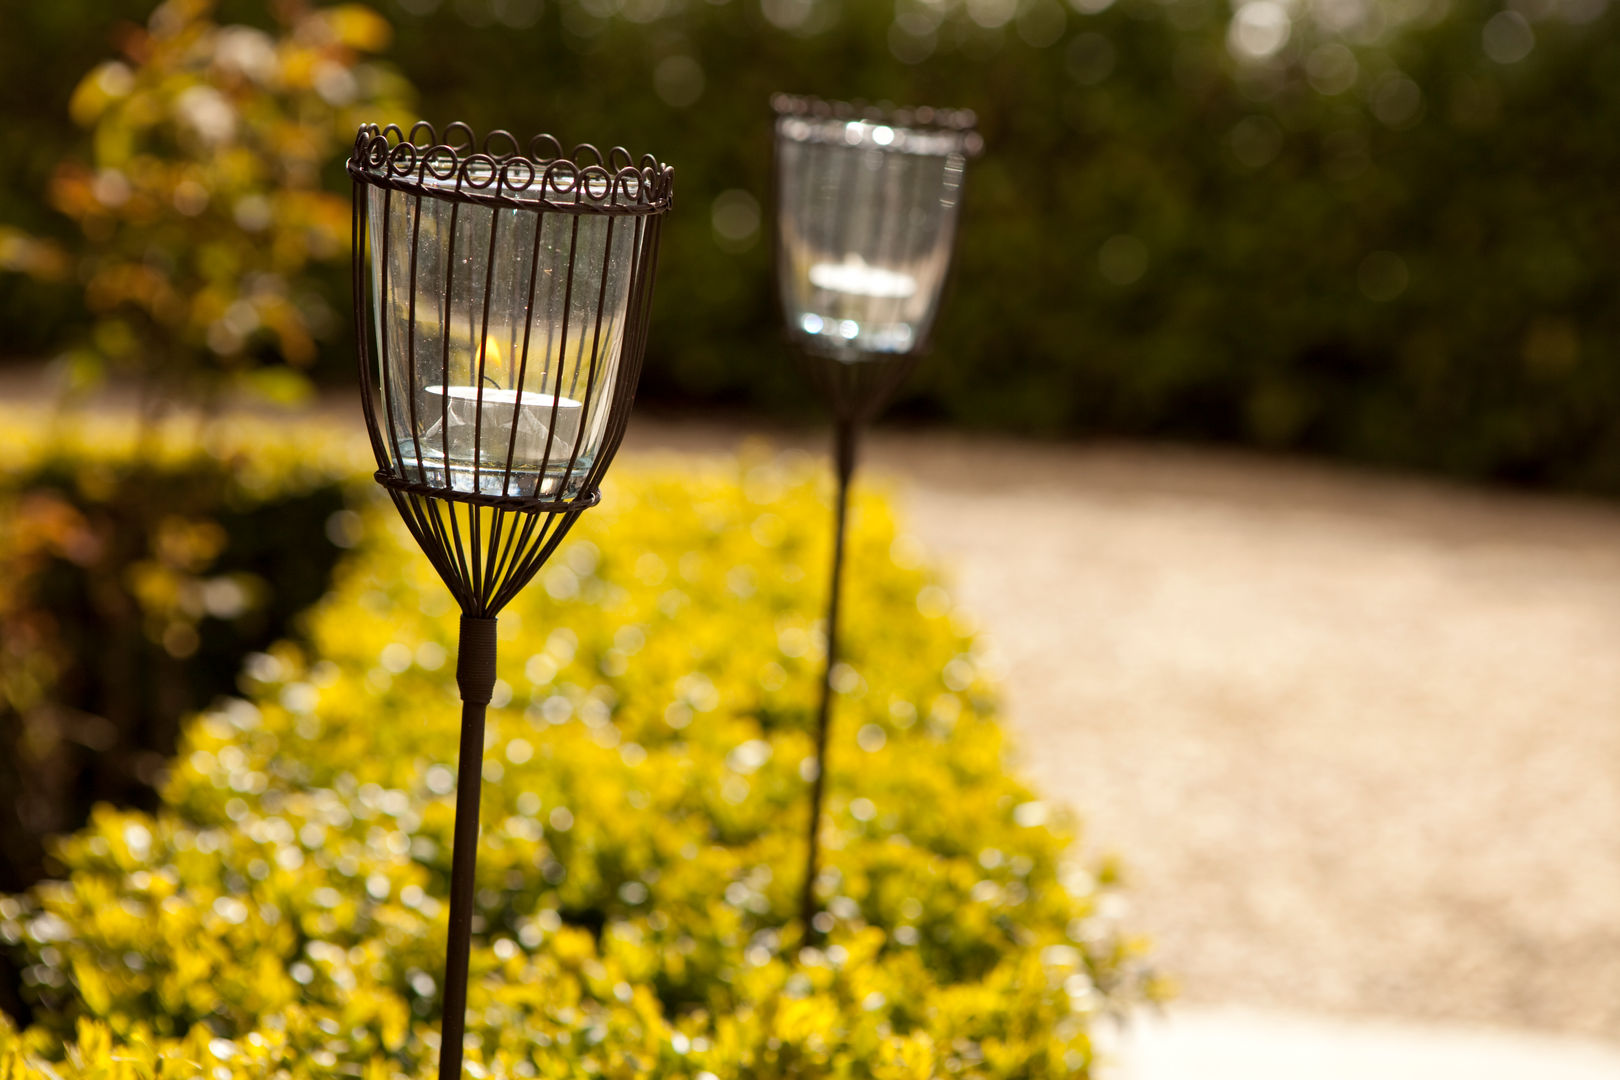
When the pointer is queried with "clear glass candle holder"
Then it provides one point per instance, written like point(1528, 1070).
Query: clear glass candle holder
point(503, 285)
point(866, 212)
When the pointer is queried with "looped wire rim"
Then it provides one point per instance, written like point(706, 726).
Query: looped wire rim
point(501, 171)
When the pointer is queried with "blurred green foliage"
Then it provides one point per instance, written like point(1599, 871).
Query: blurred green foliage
point(642, 802)
point(1370, 228)
point(1387, 239)
point(131, 585)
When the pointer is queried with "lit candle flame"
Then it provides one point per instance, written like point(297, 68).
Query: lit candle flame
point(491, 354)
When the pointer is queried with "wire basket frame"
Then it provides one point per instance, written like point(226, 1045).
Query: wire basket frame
point(502, 294)
point(866, 201)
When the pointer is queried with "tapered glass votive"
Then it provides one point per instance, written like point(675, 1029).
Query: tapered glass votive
point(866, 223)
point(502, 292)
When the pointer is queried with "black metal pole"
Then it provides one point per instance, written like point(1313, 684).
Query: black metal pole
point(844, 461)
point(475, 675)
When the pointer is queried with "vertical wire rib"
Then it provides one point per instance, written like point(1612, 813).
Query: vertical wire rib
point(410, 341)
point(557, 526)
point(632, 334)
point(486, 545)
point(641, 303)
point(925, 331)
point(406, 506)
point(491, 545)
point(460, 515)
point(551, 379)
point(382, 334)
point(523, 357)
point(432, 512)
point(627, 363)
point(778, 209)
point(845, 376)
point(904, 237)
point(444, 382)
point(481, 347)
point(362, 336)
point(562, 352)
point(579, 345)
point(596, 354)
point(537, 549)
point(885, 380)
point(653, 231)
point(432, 520)
point(517, 541)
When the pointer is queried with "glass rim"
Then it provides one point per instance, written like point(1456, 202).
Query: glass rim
point(903, 129)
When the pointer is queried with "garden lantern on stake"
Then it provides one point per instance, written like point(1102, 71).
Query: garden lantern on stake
point(866, 208)
point(501, 295)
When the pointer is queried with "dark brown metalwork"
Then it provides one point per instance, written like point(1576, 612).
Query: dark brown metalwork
point(857, 381)
point(486, 522)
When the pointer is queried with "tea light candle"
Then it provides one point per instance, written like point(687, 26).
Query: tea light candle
point(488, 415)
point(855, 277)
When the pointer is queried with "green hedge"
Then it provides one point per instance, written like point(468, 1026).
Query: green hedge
point(1159, 240)
point(1410, 267)
point(131, 586)
point(643, 809)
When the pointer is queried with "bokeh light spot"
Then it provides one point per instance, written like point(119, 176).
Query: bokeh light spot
point(1382, 276)
point(1258, 31)
point(735, 219)
point(1090, 58)
point(1254, 141)
point(1331, 69)
point(1507, 37)
point(1122, 259)
point(678, 80)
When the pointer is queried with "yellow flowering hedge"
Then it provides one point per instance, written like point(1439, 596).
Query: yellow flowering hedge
point(643, 810)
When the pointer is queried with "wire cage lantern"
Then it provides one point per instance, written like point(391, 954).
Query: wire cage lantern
point(867, 201)
point(501, 295)
point(866, 204)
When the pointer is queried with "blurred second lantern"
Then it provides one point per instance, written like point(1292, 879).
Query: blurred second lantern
point(866, 205)
point(866, 208)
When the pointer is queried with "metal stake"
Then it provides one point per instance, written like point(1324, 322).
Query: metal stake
point(866, 201)
point(475, 676)
point(845, 440)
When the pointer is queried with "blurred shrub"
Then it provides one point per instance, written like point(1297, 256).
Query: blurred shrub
point(642, 805)
point(202, 204)
point(130, 588)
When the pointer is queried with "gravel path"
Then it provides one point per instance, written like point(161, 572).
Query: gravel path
point(1356, 737)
